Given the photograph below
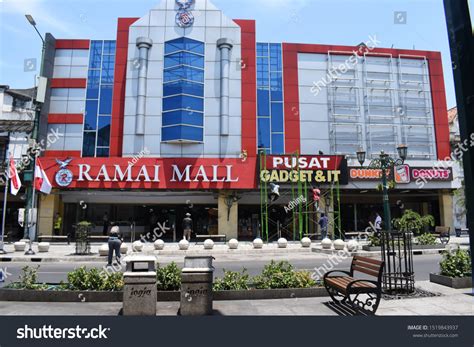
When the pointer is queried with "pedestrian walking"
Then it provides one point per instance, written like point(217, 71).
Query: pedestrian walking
point(115, 242)
point(187, 227)
point(323, 224)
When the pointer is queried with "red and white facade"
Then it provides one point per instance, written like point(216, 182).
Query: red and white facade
point(384, 98)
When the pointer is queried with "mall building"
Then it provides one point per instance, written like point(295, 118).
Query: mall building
point(170, 116)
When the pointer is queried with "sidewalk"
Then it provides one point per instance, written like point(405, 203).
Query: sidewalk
point(65, 253)
point(452, 302)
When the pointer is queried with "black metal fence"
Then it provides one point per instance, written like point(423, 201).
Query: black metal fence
point(397, 253)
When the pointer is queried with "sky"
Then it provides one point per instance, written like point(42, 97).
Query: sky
point(407, 24)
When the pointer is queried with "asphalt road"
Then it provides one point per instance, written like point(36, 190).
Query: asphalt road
point(56, 272)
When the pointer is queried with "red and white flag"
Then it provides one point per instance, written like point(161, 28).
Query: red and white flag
point(42, 182)
point(14, 177)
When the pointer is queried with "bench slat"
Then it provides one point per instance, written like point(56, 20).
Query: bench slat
point(366, 265)
point(368, 260)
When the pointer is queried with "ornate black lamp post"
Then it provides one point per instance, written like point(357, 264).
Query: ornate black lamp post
point(398, 276)
point(386, 164)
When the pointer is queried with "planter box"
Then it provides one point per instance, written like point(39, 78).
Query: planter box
point(163, 296)
point(456, 283)
point(415, 248)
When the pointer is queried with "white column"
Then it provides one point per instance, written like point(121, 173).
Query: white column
point(225, 46)
point(144, 44)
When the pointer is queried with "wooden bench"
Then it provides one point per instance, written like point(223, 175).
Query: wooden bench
point(347, 288)
point(443, 233)
point(212, 237)
point(54, 238)
point(98, 238)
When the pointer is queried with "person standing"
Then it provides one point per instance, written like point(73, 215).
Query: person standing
point(187, 227)
point(57, 224)
point(114, 245)
point(378, 224)
point(105, 220)
point(323, 224)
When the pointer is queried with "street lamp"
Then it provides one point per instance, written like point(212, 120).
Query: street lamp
point(230, 200)
point(386, 164)
point(30, 203)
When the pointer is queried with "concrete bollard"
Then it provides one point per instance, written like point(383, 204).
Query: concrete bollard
point(139, 291)
point(196, 286)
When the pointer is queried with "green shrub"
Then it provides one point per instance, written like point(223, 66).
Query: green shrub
point(95, 279)
point(426, 239)
point(232, 280)
point(456, 264)
point(413, 222)
point(28, 280)
point(168, 278)
point(282, 275)
point(374, 241)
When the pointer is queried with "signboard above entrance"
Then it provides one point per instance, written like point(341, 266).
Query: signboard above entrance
point(147, 173)
point(311, 169)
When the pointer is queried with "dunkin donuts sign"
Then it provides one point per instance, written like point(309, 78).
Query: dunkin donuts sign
point(404, 174)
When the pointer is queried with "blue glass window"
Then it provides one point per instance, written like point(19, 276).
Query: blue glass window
point(105, 100)
point(102, 152)
point(183, 91)
point(183, 102)
point(270, 98)
point(184, 73)
point(97, 120)
point(108, 65)
point(278, 144)
point(264, 134)
point(183, 117)
point(184, 87)
point(93, 83)
point(103, 135)
point(262, 49)
point(109, 47)
point(184, 58)
point(88, 148)
point(277, 117)
point(181, 132)
point(263, 102)
point(184, 44)
point(91, 115)
point(96, 55)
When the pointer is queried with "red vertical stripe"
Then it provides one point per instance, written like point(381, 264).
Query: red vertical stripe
point(249, 86)
point(118, 103)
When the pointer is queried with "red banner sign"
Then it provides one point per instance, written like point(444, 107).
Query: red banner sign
point(305, 162)
point(165, 173)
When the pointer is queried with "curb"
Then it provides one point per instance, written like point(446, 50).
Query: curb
point(19, 295)
point(374, 254)
point(99, 259)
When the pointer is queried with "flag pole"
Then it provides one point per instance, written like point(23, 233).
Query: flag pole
point(7, 171)
point(32, 226)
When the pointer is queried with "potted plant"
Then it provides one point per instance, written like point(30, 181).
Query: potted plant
point(456, 270)
point(413, 222)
